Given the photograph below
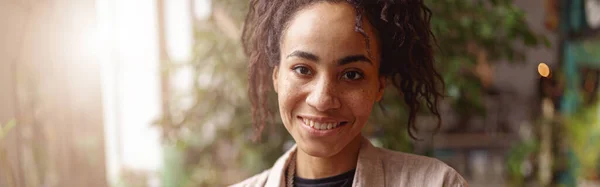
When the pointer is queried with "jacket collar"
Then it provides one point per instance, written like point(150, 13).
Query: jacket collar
point(369, 168)
point(276, 174)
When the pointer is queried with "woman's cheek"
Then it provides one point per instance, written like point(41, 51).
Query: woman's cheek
point(360, 101)
point(289, 96)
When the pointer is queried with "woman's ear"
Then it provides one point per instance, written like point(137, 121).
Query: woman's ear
point(381, 90)
point(275, 77)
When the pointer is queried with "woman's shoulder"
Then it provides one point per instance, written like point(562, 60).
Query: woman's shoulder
point(256, 180)
point(415, 167)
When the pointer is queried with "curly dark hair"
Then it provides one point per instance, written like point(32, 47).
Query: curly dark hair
point(407, 59)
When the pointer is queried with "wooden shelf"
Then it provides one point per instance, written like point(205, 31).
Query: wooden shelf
point(473, 140)
point(584, 34)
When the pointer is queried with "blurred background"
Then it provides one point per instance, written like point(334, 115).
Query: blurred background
point(130, 93)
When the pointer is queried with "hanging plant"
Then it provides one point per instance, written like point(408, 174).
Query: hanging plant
point(583, 133)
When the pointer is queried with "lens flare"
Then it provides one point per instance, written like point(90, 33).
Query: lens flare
point(543, 70)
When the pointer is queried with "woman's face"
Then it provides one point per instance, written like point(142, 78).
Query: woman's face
point(327, 82)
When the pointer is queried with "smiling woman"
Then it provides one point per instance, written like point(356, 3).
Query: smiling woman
point(329, 63)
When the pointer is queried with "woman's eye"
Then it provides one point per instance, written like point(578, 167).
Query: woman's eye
point(302, 70)
point(353, 75)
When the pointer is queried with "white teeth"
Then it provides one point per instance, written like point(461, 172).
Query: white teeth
point(320, 126)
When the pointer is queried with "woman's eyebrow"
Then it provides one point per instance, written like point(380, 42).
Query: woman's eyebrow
point(343, 61)
point(354, 58)
point(305, 55)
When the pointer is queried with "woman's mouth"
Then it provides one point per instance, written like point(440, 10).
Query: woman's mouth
point(323, 125)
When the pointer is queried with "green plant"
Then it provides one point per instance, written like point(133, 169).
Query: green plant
point(470, 33)
point(519, 161)
point(583, 133)
point(209, 140)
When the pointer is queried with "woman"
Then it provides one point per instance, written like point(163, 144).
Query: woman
point(329, 62)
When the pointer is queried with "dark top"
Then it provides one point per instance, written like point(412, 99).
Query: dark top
point(341, 180)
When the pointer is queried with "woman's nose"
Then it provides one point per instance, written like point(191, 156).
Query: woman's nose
point(324, 96)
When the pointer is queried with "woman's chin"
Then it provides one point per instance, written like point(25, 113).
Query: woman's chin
point(319, 149)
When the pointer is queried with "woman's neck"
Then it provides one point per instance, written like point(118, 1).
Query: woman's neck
point(310, 167)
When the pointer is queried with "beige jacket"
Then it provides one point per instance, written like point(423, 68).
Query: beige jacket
point(376, 167)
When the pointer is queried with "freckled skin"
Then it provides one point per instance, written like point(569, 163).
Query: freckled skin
point(327, 31)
